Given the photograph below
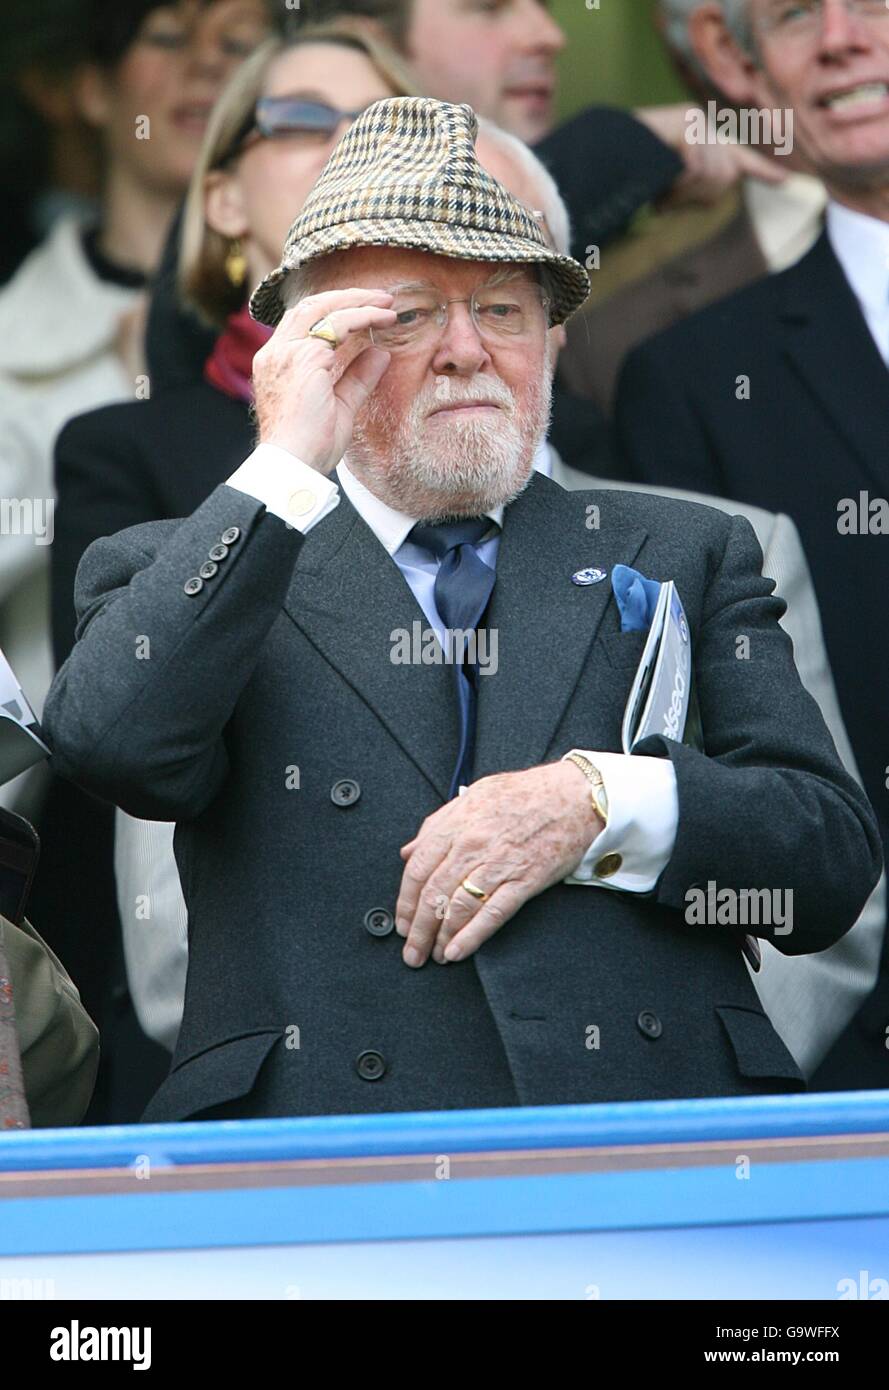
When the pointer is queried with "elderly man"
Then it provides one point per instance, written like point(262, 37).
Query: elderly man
point(779, 396)
point(810, 999)
point(276, 673)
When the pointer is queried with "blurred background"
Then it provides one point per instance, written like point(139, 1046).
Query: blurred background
point(613, 55)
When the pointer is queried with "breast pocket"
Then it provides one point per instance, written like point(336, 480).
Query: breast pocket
point(623, 650)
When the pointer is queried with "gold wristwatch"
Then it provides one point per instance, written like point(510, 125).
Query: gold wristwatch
point(594, 777)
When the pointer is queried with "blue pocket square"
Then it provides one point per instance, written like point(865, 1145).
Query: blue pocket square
point(636, 598)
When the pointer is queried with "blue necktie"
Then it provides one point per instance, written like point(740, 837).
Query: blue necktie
point(462, 590)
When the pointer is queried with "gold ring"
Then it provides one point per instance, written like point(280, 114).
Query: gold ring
point(324, 330)
point(475, 892)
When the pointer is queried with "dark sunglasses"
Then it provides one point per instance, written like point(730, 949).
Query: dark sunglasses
point(277, 117)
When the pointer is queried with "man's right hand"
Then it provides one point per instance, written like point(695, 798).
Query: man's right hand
point(302, 405)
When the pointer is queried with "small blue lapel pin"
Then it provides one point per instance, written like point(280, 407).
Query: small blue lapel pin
point(588, 576)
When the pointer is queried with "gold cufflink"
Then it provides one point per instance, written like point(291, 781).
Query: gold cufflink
point(302, 502)
point(608, 865)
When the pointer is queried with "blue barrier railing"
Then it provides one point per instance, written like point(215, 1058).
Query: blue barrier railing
point(454, 1131)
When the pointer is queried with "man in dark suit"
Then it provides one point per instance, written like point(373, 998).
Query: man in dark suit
point(779, 395)
point(253, 673)
point(678, 260)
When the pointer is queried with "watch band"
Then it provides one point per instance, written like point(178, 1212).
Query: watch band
point(594, 777)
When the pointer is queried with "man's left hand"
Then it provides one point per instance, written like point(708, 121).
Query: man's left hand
point(510, 836)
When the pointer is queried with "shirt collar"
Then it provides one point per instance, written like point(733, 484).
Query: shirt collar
point(390, 527)
point(861, 245)
point(543, 459)
point(787, 217)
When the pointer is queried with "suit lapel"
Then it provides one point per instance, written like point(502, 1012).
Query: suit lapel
point(348, 597)
point(545, 624)
point(831, 348)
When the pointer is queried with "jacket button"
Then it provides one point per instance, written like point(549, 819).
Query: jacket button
point(649, 1024)
point(379, 922)
point(231, 535)
point(219, 552)
point(208, 569)
point(370, 1065)
point(193, 586)
point(345, 792)
point(608, 865)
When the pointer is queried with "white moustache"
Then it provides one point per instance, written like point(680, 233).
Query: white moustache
point(439, 398)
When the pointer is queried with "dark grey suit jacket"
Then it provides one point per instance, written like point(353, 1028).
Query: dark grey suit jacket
point(282, 661)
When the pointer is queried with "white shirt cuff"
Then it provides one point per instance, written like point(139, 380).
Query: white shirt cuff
point(631, 853)
point(290, 489)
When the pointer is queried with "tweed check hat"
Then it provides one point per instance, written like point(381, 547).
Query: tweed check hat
point(406, 174)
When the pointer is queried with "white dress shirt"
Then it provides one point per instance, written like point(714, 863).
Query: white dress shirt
point(861, 245)
point(787, 217)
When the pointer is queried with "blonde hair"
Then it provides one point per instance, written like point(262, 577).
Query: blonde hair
point(202, 279)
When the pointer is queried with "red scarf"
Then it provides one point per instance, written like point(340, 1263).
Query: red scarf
point(230, 365)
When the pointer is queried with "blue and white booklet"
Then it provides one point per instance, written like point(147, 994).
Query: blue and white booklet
point(662, 698)
point(21, 744)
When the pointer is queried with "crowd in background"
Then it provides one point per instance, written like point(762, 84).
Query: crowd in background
point(735, 346)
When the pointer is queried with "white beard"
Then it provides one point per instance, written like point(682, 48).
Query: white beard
point(441, 472)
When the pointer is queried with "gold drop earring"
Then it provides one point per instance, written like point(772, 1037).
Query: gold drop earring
point(236, 263)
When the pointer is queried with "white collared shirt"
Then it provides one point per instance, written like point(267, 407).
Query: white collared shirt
point(643, 806)
point(392, 529)
point(787, 217)
point(861, 245)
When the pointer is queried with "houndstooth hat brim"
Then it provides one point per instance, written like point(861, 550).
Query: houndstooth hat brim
point(406, 174)
point(567, 290)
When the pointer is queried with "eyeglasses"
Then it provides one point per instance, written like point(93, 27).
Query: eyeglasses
point(276, 118)
point(512, 311)
point(792, 18)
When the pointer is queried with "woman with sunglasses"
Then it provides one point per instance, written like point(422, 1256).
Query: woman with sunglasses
point(268, 139)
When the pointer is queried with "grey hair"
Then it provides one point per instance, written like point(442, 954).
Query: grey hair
point(302, 281)
point(737, 17)
point(677, 13)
